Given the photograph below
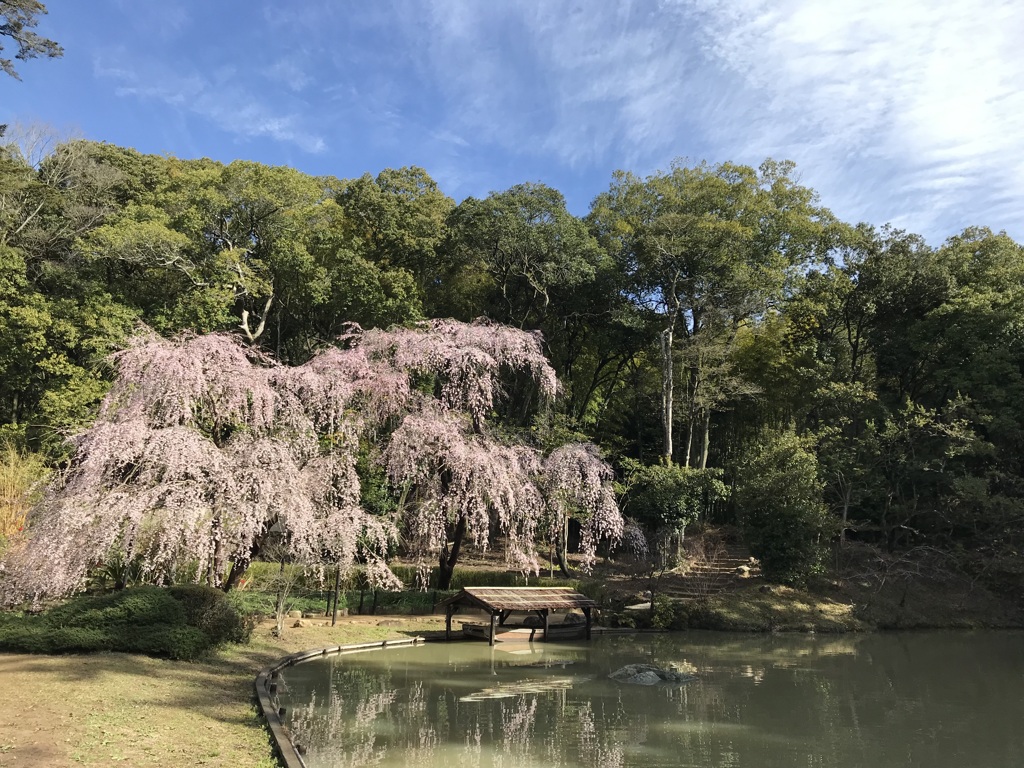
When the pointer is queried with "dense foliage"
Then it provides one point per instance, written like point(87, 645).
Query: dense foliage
point(805, 379)
point(180, 623)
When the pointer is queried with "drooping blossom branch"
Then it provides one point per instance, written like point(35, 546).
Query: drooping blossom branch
point(199, 453)
point(459, 474)
point(578, 484)
point(205, 447)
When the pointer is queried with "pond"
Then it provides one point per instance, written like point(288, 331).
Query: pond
point(932, 699)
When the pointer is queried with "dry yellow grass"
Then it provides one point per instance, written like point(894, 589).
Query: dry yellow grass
point(21, 476)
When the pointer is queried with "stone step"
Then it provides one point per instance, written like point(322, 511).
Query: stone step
point(717, 568)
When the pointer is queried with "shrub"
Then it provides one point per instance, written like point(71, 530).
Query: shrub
point(177, 622)
point(663, 613)
point(78, 640)
point(176, 642)
point(780, 500)
point(209, 610)
point(20, 635)
point(139, 605)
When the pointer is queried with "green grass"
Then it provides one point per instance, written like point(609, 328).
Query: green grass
point(119, 709)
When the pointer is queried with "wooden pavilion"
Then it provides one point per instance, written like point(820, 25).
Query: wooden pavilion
point(501, 602)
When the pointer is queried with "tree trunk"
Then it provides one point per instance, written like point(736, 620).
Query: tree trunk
point(562, 550)
point(242, 562)
point(706, 438)
point(238, 569)
point(692, 415)
point(337, 594)
point(213, 570)
point(847, 496)
point(666, 393)
point(448, 558)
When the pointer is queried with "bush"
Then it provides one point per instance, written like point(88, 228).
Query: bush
point(178, 622)
point(663, 613)
point(780, 501)
point(138, 605)
point(175, 642)
point(209, 610)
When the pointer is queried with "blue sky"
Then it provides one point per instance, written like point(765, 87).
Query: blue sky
point(901, 111)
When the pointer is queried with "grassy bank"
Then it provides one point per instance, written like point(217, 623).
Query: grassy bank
point(119, 709)
point(851, 606)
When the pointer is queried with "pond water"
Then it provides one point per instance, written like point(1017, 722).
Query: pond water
point(932, 699)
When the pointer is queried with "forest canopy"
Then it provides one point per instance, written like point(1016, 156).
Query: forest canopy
point(806, 379)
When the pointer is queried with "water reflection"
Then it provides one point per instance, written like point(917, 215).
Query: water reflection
point(929, 699)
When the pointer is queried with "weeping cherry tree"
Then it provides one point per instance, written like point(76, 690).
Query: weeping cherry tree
point(205, 448)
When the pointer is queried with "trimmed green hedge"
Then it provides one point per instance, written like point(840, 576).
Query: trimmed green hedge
point(180, 622)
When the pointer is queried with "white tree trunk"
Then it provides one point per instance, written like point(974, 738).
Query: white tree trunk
point(666, 392)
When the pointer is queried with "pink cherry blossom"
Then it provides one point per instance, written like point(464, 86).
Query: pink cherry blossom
point(205, 447)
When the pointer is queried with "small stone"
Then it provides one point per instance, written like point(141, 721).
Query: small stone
point(294, 614)
point(300, 623)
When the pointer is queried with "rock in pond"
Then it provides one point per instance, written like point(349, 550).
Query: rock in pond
point(648, 674)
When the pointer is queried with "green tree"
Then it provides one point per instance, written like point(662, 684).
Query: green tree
point(665, 499)
point(531, 249)
point(398, 221)
point(708, 249)
point(18, 19)
point(780, 504)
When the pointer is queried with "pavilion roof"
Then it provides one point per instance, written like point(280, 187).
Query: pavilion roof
point(520, 598)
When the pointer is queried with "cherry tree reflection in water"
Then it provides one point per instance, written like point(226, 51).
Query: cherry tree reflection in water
point(944, 700)
point(382, 721)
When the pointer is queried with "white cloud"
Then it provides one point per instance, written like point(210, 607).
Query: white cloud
point(907, 111)
point(290, 72)
point(918, 100)
point(228, 105)
point(895, 110)
point(578, 83)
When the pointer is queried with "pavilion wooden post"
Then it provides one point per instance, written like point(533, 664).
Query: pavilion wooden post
point(448, 611)
point(494, 627)
point(586, 613)
point(547, 622)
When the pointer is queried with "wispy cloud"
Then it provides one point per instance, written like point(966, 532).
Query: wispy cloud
point(907, 111)
point(290, 72)
point(556, 79)
point(217, 97)
point(916, 101)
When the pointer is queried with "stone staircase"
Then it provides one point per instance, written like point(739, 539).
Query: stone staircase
point(711, 569)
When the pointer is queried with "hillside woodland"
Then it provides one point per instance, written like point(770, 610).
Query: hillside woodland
point(742, 358)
